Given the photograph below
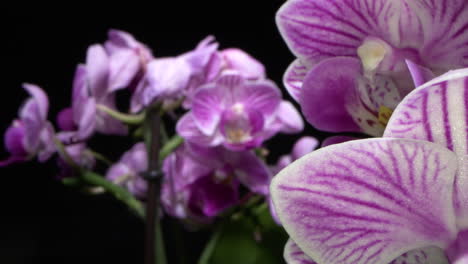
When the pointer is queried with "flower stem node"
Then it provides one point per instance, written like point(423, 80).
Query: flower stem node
point(152, 175)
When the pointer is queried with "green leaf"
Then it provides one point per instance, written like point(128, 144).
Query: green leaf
point(247, 241)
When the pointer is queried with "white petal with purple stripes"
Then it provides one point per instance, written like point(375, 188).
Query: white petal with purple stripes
point(438, 112)
point(368, 201)
point(294, 255)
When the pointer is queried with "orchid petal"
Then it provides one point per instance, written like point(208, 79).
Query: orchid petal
point(458, 250)
point(237, 59)
point(428, 255)
point(97, 67)
point(294, 255)
point(262, 95)
point(250, 170)
point(124, 65)
point(336, 140)
point(13, 139)
point(65, 120)
point(304, 146)
point(40, 99)
point(290, 119)
point(445, 25)
point(212, 197)
point(330, 94)
point(317, 30)
point(438, 112)
point(121, 39)
point(293, 78)
point(48, 147)
point(166, 77)
point(187, 128)
point(87, 120)
point(206, 108)
point(419, 73)
point(340, 208)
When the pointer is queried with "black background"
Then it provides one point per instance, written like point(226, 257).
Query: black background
point(42, 221)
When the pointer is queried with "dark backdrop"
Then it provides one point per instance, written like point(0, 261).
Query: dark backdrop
point(42, 221)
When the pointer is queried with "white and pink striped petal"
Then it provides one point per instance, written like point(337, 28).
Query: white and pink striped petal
point(438, 112)
point(368, 201)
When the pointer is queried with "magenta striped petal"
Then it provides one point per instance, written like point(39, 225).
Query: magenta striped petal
point(429, 255)
point(445, 27)
point(206, 108)
point(294, 255)
point(433, 33)
point(293, 78)
point(368, 201)
point(318, 29)
point(438, 112)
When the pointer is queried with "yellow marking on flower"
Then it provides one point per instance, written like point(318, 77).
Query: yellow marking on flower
point(371, 52)
point(237, 135)
point(384, 115)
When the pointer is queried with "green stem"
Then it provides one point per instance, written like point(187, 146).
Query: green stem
point(117, 191)
point(160, 248)
point(99, 157)
point(170, 146)
point(210, 246)
point(128, 119)
point(64, 154)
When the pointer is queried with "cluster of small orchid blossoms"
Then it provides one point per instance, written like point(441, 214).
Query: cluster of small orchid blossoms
point(395, 70)
point(216, 160)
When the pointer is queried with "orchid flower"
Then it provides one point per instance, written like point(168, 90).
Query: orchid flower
point(170, 78)
point(31, 134)
point(397, 199)
point(202, 182)
point(237, 113)
point(126, 172)
point(351, 68)
point(90, 90)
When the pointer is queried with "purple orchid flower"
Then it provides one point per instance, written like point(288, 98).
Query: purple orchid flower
point(237, 113)
point(172, 77)
point(181, 76)
point(397, 199)
point(352, 55)
point(202, 182)
point(91, 88)
point(31, 134)
point(126, 172)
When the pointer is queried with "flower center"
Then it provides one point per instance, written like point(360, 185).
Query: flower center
point(237, 128)
point(371, 53)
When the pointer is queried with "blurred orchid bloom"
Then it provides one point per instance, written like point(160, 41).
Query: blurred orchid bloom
point(202, 182)
point(397, 199)
point(128, 59)
point(237, 113)
point(31, 134)
point(126, 172)
point(171, 78)
point(351, 69)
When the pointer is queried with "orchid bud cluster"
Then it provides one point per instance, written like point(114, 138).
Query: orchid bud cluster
point(393, 70)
